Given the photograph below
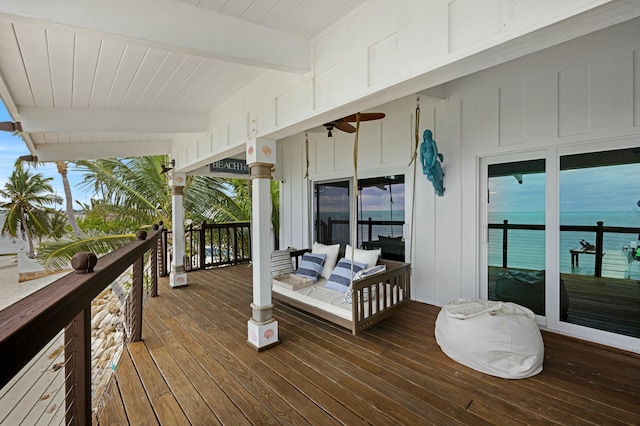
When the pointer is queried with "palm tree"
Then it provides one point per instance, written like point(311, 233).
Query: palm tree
point(27, 196)
point(71, 216)
point(135, 195)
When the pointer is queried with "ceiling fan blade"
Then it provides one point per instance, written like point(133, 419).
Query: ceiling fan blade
point(364, 116)
point(345, 127)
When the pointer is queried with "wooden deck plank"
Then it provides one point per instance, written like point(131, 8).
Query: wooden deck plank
point(279, 386)
point(237, 393)
point(191, 402)
point(482, 391)
point(164, 403)
point(136, 403)
point(218, 401)
point(340, 363)
point(246, 365)
point(113, 411)
point(393, 373)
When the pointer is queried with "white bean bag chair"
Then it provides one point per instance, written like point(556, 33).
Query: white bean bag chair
point(497, 338)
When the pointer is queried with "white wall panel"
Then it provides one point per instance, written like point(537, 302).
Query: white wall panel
point(343, 154)
point(383, 59)
point(324, 88)
point(369, 144)
point(450, 253)
point(512, 113)
point(324, 150)
point(472, 20)
point(397, 138)
point(541, 108)
point(574, 101)
point(236, 131)
point(293, 103)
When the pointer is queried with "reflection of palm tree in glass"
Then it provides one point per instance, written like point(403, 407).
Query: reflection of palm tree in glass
point(638, 204)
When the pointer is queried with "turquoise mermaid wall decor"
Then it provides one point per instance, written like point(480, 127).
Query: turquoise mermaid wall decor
point(431, 167)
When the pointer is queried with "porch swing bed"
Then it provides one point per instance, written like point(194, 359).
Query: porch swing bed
point(354, 309)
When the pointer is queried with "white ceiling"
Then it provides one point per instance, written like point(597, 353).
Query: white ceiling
point(97, 71)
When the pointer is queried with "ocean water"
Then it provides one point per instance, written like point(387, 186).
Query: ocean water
point(526, 248)
point(341, 233)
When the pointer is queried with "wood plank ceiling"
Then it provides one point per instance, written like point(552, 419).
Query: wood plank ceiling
point(55, 67)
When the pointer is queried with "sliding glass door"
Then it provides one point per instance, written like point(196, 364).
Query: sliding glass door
point(599, 239)
point(380, 214)
point(516, 233)
point(562, 232)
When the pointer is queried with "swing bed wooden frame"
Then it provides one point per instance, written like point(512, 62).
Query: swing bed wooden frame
point(392, 286)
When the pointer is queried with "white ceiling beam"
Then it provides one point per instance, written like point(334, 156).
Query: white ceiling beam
point(76, 120)
point(90, 151)
point(12, 109)
point(170, 25)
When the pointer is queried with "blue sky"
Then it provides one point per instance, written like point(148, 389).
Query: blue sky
point(12, 147)
point(599, 189)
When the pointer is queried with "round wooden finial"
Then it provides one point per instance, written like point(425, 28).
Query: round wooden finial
point(84, 262)
point(141, 235)
point(155, 227)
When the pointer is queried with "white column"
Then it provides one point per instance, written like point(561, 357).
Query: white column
point(262, 327)
point(177, 277)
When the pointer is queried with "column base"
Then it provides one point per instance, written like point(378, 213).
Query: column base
point(177, 279)
point(264, 336)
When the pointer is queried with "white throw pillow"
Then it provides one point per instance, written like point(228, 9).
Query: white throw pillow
point(370, 257)
point(332, 256)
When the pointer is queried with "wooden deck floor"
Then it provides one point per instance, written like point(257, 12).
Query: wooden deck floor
point(195, 367)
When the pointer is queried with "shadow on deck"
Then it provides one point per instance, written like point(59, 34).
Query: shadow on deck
point(195, 367)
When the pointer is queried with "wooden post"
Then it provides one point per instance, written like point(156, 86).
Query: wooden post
point(154, 272)
point(164, 248)
point(135, 310)
point(370, 230)
point(505, 244)
point(329, 231)
point(77, 353)
point(202, 245)
point(599, 248)
point(262, 328)
point(178, 276)
point(235, 244)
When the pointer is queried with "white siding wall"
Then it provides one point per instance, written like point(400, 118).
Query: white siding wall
point(381, 52)
point(586, 90)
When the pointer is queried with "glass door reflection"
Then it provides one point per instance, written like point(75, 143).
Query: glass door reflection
point(516, 249)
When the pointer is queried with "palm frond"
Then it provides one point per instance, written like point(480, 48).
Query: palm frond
point(57, 255)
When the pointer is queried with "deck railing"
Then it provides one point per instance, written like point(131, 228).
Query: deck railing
point(599, 230)
point(326, 230)
point(64, 306)
point(217, 244)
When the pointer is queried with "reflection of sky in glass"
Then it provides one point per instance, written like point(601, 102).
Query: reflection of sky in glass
point(606, 188)
point(375, 198)
point(507, 195)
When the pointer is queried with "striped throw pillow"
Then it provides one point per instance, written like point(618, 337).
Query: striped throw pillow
point(341, 276)
point(311, 265)
point(281, 263)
